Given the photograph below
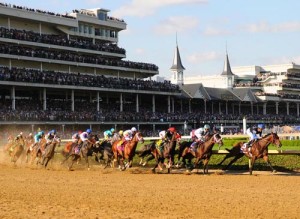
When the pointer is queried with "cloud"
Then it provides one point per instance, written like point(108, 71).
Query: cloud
point(139, 51)
point(264, 26)
point(204, 57)
point(284, 60)
point(176, 24)
point(143, 8)
point(212, 31)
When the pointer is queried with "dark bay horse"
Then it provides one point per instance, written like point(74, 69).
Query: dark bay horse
point(103, 152)
point(204, 150)
point(129, 151)
point(168, 153)
point(259, 149)
point(145, 153)
point(48, 154)
point(84, 151)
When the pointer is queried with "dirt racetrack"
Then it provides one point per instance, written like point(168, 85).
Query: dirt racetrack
point(30, 192)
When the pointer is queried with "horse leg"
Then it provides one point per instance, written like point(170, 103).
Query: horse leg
point(251, 163)
point(48, 159)
point(266, 158)
point(87, 161)
point(205, 166)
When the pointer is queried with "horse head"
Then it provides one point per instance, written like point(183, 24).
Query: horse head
point(275, 140)
point(138, 137)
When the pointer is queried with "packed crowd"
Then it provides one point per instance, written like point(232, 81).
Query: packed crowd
point(59, 110)
point(72, 57)
point(60, 40)
point(62, 78)
point(36, 10)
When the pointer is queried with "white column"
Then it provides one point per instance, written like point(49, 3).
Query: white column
point(240, 108)
point(153, 103)
point(13, 98)
point(264, 108)
point(287, 108)
point(40, 27)
point(41, 66)
point(72, 101)
point(44, 99)
point(276, 105)
point(169, 104)
point(121, 102)
point(297, 104)
point(98, 102)
point(137, 103)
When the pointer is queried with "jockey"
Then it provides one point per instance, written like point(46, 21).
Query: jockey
point(37, 139)
point(108, 134)
point(18, 140)
point(127, 136)
point(50, 136)
point(76, 137)
point(254, 133)
point(198, 136)
point(120, 133)
point(84, 140)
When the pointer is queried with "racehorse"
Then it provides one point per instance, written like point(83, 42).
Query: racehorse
point(204, 150)
point(129, 151)
point(168, 153)
point(103, 152)
point(16, 150)
point(49, 151)
point(83, 153)
point(145, 153)
point(182, 146)
point(259, 149)
point(37, 151)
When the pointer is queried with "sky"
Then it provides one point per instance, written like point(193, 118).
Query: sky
point(255, 32)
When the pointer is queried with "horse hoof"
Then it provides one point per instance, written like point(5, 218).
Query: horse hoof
point(274, 171)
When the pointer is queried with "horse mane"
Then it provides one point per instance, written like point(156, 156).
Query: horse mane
point(267, 135)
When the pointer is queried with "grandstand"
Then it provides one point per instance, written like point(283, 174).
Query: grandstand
point(67, 71)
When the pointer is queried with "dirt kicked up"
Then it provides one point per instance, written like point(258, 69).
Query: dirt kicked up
point(30, 192)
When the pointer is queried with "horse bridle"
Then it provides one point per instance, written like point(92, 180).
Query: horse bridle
point(218, 141)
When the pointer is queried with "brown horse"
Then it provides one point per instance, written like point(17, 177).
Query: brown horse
point(16, 150)
point(259, 149)
point(168, 153)
point(37, 151)
point(48, 154)
point(204, 151)
point(129, 151)
point(85, 149)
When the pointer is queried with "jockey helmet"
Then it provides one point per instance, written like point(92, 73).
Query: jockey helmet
point(172, 129)
point(30, 134)
point(89, 131)
point(53, 131)
point(112, 130)
point(206, 126)
point(41, 133)
point(121, 132)
point(261, 126)
point(21, 133)
point(133, 129)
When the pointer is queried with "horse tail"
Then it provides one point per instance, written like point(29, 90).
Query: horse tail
point(229, 150)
